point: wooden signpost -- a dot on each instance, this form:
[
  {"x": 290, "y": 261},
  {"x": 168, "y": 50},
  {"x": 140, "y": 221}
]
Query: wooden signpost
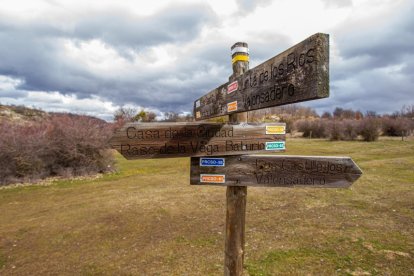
[
  {"x": 218, "y": 151},
  {"x": 300, "y": 73},
  {"x": 274, "y": 171},
  {"x": 158, "y": 140}
]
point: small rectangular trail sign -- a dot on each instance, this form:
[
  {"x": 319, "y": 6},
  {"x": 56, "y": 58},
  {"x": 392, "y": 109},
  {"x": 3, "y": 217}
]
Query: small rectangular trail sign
[
  {"x": 158, "y": 140},
  {"x": 276, "y": 171},
  {"x": 298, "y": 74}
]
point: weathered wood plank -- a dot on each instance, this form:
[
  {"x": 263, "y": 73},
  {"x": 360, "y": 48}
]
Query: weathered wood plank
[
  {"x": 160, "y": 140},
  {"x": 298, "y": 74},
  {"x": 275, "y": 171},
  {"x": 236, "y": 196}
]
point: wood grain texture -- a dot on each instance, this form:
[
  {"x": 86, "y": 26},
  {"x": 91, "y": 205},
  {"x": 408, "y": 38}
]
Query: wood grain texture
[
  {"x": 298, "y": 74},
  {"x": 236, "y": 197},
  {"x": 163, "y": 140},
  {"x": 280, "y": 171}
]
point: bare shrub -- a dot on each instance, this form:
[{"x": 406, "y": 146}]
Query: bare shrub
[
  {"x": 62, "y": 145},
  {"x": 125, "y": 114},
  {"x": 77, "y": 144},
  {"x": 312, "y": 128},
  {"x": 335, "y": 130},
  {"x": 303, "y": 126},
  {"x": 172, "y": 116},
  {"x": 289, "y": 121},
  {"x": 398, "y": 126},
  {"x": 145, "y": 116},
  {"x": 342, "y": 130},
  {"x": 21, "y": 150},
  {"x": 369, "y": 128},
  {"x": 350, "y": 130}
]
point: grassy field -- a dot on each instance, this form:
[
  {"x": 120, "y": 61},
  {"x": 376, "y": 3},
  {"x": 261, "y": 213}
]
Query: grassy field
[{"x": 148, "y": 220}]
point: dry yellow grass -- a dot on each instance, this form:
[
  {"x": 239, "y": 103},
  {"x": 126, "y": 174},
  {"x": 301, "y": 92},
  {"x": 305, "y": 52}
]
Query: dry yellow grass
[{"x": 148, "y": 220}]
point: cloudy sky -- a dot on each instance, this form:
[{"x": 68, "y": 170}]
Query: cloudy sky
[{"x": 92, "y": 57}]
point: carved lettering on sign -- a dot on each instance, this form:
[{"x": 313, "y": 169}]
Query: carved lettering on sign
[
  {"x": 156, "y": 140},
  {"x": 298, "y": 74},
  {"x": 281, "y": 171}
]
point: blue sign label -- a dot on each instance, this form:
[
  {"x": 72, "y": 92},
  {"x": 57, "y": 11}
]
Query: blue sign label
[
  {"x": 211, "y": 162},
  {"x": 279, "y": 145}
]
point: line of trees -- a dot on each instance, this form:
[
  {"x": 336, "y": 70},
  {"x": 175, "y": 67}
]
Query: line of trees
[
  {"x": 127, "y": 114},
  {"x": 347, "y": 124},
  {"x": 341, "y": 124}
]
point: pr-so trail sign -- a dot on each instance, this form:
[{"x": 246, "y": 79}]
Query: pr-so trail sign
[
  {"x": 219, "y": 151},
  {"x": 163, "y": 140},
  {"x": 274, "y": 171},
  {"x": 298, "y": 74}
]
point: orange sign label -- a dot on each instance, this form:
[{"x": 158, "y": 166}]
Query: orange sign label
[
  {"x": 212, "y": 178},
  {"x": 232, "y": 106}
]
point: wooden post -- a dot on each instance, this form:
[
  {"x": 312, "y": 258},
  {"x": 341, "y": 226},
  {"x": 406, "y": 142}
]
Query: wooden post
[{"x": 235, "y": 195}]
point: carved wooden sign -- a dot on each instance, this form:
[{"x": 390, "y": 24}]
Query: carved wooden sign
[
  {"x": 274, "y": 171},
  {"x": 158, "y": 140},
  {"x": 298, "y": 74}
]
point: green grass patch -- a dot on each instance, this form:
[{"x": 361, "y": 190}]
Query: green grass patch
[
  {"x": 350, "y": 258},
  {"x": 2, "y": 260},
  {"x": 298, "y": 261}
]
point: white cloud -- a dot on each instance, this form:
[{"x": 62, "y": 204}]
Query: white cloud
[
  {"x": 96, "y": 56},
  {"x": 8, "y": 83}
]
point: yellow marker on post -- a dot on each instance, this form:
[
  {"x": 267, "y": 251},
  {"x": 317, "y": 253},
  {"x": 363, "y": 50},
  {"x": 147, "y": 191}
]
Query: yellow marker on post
[{"x": 240, "y": 58}]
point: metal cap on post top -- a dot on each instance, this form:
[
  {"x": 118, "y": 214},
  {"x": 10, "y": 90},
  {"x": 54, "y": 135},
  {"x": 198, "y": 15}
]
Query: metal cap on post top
[{"x": 240, "y": 58}]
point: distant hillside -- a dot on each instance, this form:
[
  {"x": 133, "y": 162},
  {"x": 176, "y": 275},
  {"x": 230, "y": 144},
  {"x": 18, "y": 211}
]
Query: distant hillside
[{"x": 21, "y": 113}]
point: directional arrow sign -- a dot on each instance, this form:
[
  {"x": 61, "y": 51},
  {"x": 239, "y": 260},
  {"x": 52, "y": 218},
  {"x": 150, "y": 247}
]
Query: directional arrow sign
[
  {"x": 274, "y": 171},
  {"x": 157, "y": 140},
  {"x": 300, "y": 73}
]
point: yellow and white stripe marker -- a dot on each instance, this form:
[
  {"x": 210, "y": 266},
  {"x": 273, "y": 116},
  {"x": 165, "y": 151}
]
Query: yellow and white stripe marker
[
  {"x": 239, "y": 49},
  {"x": 239, "y": 52}
]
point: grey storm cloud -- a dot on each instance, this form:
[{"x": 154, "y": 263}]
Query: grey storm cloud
[
  {"x": 377, "y": 67},
  {"x": 14, "y": 94},
  {"x": 382, "y": 46},
  {"x": 30, "y": 52},
  {"x": 121, "y": 29},
  {"x": 375, "y": 70}
]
